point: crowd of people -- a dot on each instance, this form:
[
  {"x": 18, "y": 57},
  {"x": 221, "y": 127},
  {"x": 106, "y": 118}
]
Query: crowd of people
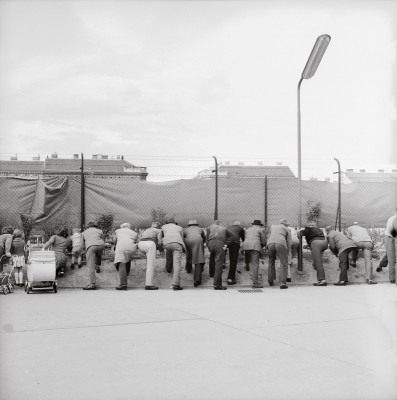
[{"x": 282, "y": 242}]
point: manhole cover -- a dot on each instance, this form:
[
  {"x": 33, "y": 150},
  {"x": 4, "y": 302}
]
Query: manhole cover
[{"x": 250, "y": 290}]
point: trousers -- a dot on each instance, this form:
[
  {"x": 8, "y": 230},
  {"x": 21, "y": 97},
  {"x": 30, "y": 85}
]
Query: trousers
[{"x": 280, "y": 251}]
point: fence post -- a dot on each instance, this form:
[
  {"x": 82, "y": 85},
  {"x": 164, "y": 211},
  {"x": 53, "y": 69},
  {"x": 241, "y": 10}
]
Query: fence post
[
  {"x": 82, "y": 197},
  {"x": 339, "y": 210},
  {"x": 265, "y": 205}
]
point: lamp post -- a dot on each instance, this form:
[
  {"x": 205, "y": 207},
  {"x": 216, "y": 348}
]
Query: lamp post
[
  {"x": 310, "y": 69},
  {"x": 216, "y": 189},
  {"x": 339, "y": 212}
]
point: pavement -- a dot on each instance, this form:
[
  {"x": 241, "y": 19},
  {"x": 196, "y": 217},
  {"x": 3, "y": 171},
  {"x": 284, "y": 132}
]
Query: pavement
[{"x": 302, "y": 343}]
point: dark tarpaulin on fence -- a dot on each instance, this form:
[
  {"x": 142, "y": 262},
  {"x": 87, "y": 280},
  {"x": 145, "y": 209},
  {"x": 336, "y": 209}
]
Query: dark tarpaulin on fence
[{"x": 132, "y": 200}]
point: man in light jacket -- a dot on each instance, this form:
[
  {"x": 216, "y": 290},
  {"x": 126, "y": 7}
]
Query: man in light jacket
[
  {"x": 94, "y": 245},
  {"x": 173, "y": 242},
  {"x": 363, "y": 241},
  {"x": 278, "y": 245},
  {"x": 255, "y": 240},
  {"x": 391, "y": 245},
  {"x": 341, "y": 246}
]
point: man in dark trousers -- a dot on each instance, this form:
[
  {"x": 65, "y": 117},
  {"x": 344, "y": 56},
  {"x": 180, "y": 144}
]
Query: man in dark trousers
[
  {"x": 236, "y": 234},
  {"x": 217, "y": 236},
  {"x": 341, "y": 246}
]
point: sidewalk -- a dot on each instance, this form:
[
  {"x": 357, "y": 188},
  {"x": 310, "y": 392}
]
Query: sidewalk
[{"x": 302, "y": 343}]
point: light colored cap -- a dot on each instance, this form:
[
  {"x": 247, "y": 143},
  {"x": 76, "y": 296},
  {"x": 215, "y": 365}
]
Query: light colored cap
[
  {"x": 125, "y": 225},
  {"x": 284, "y": 221},
  {"x": 192, "y": 222},
  {"x": 237, "y": 223}
]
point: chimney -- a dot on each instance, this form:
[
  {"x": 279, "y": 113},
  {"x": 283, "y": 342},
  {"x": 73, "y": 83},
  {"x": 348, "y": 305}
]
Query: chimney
[
  {"x": 349, "y": 170},
  {"x": 14, "y": 158},
  {"x": 75, "y": 156},
  {"x": 54, "y": 155}
]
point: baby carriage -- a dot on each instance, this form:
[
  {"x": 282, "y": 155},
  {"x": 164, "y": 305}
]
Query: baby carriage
[
  {"x": 6, "y": 285},
  {"x": 41, "y": 271}
]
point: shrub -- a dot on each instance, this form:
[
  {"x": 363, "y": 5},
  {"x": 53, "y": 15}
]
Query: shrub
[
  {"x": 105, "y": 223},
  {"x": 56, "y": 226},
  {"x": 27, "y": 222},
  {"x": 313, "y": 210},
  {"x": 159, "y": 215}
]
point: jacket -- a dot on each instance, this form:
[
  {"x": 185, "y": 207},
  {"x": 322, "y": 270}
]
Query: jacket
[
  {"x": 280, "y": 234},
  {"x": 255, "y": 238},
  {"x": 338, "y": 242}
]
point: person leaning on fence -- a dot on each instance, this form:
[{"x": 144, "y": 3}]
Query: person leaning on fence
[
  {"x": 77, "y": 249},
  {"x": 363, "y": 241},
  {"x": 18, "y": 256},
  {"x": 255, "y": 240},
  {"x": 173, "y": 242},
  {"x": 217, "y": 236},
  {"x": 5, "y": 244},
  {"x": 278, "y": 245},
  {"x": 148, "y": 244},
  {"x": 125, "y": 240},
  {"x": 59, "y": 243},
  {"x": 317, "y": 244},
  {"x": 390, "y": 238},
  {"x": 341, "y": 246},
  {"x": 194, "y": 238},
  {"x": 236, "y": 236},
  {"x": 94, "y": 244}
]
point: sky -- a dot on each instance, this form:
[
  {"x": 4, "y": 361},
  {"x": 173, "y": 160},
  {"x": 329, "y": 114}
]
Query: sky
[{"x": 164, "y": 82}]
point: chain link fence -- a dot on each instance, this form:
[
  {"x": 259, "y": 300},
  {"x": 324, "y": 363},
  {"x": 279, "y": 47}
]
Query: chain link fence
[{"x": 185, "y": 190}]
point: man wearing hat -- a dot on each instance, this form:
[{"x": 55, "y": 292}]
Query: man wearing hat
[
  {"x": 236, "y": 234},
  {"x": 217, "y": 236},
  {"x": 173, "y": 242},
  {"x": 278, "y": 245},
  {"x": 255, "y": 240},
  {"x": 5, "y": 244},
  {"x": 363, "y": 241},
  {"x": 390, "y": 238},
  {"x": 94, "y": 244},
  {"x": 194, "y": 238},
  {"x": 341, "y": 246},
  {"x": 125, "y": 240}
]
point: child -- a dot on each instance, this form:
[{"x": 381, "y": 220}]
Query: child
[
  {"x": 77, "y": 248},
  {"x": 18, "y": 256}
]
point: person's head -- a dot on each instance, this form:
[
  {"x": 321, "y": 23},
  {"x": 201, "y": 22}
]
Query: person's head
[
  {"x": 17, "y": 233},
  {"x": 311, "y": 224},
  {"x": 92, "y": 225},
  {"x": 156, "y": 224},
  {"x": 61, "y": 231},
  {"x": 355, "y": 223},
  {"x": 328, "y": 229},
  {"x": 171, "y": 220},
  {"x": 76, "y": 230},
  {"x": 238, "y": 223},
  {"x": 125, "y": 225},
  {"x": 7, "y": 229},
  {"x": 217, "y": 222},
  {"x": 192, "y": 222},
  {"x": 284, "y": 222},
  {"x": 257, "y": 222}
]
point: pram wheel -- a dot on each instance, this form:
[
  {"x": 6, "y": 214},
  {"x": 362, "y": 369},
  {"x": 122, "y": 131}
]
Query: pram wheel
[
  {"x": 5, "y": 289},
  {"x": 11, "y": 287},
  {"x": 55, "y": 287},
  {"x": 27, "y": 288}
]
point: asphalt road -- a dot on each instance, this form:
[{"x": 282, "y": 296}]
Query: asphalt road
[{"x": 302, "y": 343}]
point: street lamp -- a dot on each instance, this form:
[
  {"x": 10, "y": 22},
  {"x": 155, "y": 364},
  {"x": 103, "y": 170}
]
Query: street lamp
[
  {"x": 339, "y": 211},
  {"x": 216, "y": 188},
  {"x": 310, "y": 69}
]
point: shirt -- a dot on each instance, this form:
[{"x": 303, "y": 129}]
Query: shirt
[
  {"x": 280, "y": 234},
  {"x": 217, "y": 232},
  {"x": 153, "y": 234},
  {"x": 59, "y": 244},
  {"x": 93, "y": 237},
  {"x": 358, "y": 234},
  {"x": 312, "y": 233},
  {"x": 172, "y": 234},
  {"x": 77, "y": 239},
  {"x": 236, "y": 232}
]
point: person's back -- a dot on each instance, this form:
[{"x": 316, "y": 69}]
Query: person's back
[
  {"x": 76, "y": 239},
  {"x": 358, "y": 234},
  {"x": 279, "y": 234},
  {"x": 255, "y": 238},
  {"x": 193, "y": 232},
  {"x": 172, "y": 234},
  {"x": 217, "y": 232},
  {"x": 236, "y": 233},
  {"x": 339, "y": 242},
  {"x": 59, "y": 244},
  {"x": 125, "y": 237},
  {"x": 93, "y": 236}
]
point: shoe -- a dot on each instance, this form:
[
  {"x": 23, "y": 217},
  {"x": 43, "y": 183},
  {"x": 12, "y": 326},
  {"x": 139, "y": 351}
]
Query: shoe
[
  {"x": 247, "y": 267},
  {"x": 90, "y": 287},
  {"x": 283, "y": 286},
  {"x": 257, "y": 286},
  {"x": 197, "y": 283},
  {"x": 340, "y": 283},
  {"x": 379, "y": 269},
  {"x": 288, "y": 279},
  {"x": 97, "y": 269},
  {"x": 151, "y": 287},
  {"x": 217, "y": 287},
  {"x": 320, "y": 283},
  {"x": 238, "y": 271},
  {"x": 80, "y": 265},
  {"x": 371, "y": 282},
  {"x": 224, "y": 266},
  {"x": 72, "y": 266},
  {"x": 353, "y": 265},
  {"x": 393, "y": 281},
  {"x": 231, "y": 281},
  {"x": 176, "y": 287},
  {"x": 61, "y": 272},
  {"x": 121, "y": 287},
  {"x": 270, "y": 283}
]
